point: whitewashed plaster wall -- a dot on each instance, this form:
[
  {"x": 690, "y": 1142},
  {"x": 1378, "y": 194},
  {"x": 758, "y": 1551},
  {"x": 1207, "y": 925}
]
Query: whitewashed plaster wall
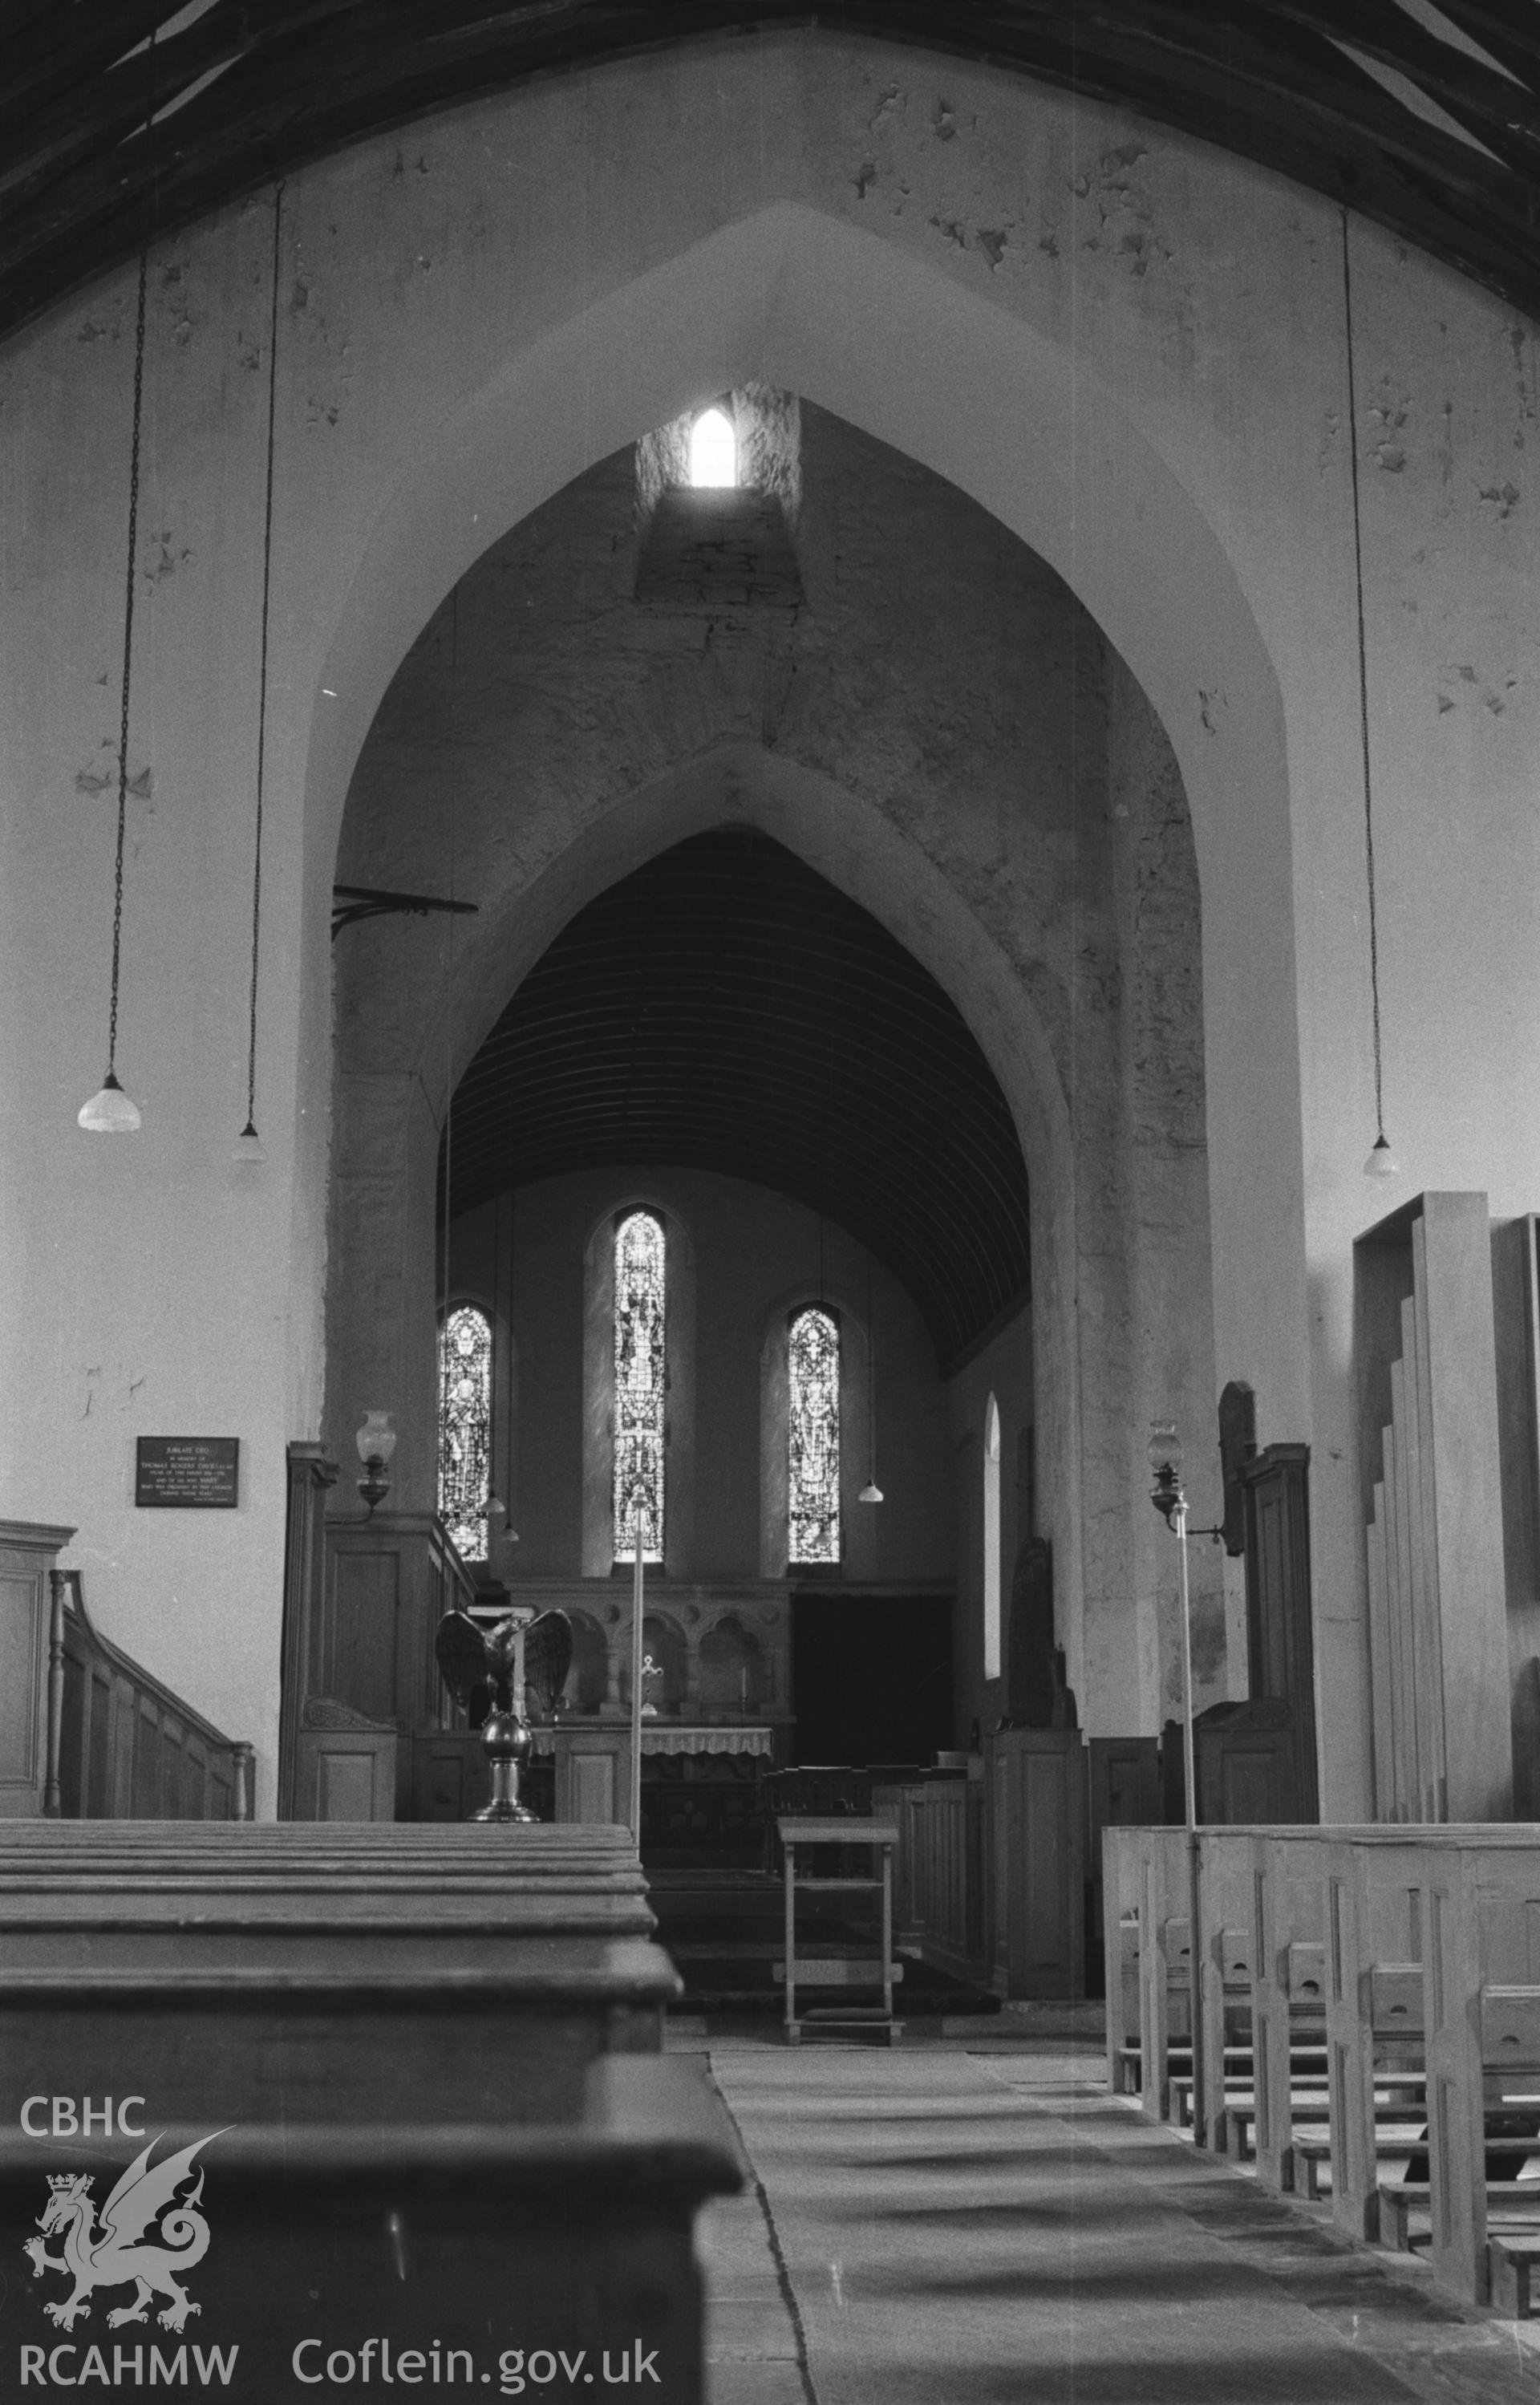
[{"x": 1128, "y": 347}]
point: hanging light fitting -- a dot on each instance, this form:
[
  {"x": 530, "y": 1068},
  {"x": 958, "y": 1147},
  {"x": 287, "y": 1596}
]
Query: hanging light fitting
[
  {"x": 1382, "y": 1161},
  {"x": 110, "y": 1111},
  {"x": 871, "y": 1492},
  {"x": 248, "y": 1144}
]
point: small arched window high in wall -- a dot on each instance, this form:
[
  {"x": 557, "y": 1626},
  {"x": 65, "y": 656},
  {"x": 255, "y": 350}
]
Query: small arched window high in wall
[
  {"x": 992, "y": 1539},
  {"x": 713, "y": 449},
  {"x": 640, "y": 1366},
  {"x": 465, "y": 1429},
  {"x": 813, "y": 1436}
]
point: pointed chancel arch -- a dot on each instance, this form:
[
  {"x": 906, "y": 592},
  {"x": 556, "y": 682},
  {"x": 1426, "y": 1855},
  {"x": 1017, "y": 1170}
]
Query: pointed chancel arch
[{"x": 1004, "y": 412}]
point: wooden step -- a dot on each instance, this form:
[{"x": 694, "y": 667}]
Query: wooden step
[{"x": 835, "y": 1971}]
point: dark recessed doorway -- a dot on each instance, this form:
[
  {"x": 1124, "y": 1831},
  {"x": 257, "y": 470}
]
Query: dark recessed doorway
[{"x": 871, "y": 1677}]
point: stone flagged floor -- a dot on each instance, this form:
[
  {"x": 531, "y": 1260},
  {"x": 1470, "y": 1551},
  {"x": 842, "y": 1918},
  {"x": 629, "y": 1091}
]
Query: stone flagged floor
[{"x": 950, "y": 2225}]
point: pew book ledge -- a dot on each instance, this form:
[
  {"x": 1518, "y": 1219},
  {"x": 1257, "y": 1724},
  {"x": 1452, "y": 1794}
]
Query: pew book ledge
[
  {"x": 629, "y": 1970},
  {"x": 649, "y": 2121}
]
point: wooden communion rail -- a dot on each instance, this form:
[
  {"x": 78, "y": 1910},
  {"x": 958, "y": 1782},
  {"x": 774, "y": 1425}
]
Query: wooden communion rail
[{"x": 1371, "y": 1999}]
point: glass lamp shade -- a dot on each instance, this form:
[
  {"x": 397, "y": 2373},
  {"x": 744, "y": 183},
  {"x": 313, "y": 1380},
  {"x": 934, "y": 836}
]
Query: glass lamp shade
[
  {"x": 110, "y": 1112},
  {"x": 870, "y": 1493},
  {"x": 1382, "y": 1161},
  {"x": 375, "y": 1438},
  {"x": 248, "y": 1147},
  {"x": 1165, "y": 1457},
  {"x": 1165, "y": 1448}
]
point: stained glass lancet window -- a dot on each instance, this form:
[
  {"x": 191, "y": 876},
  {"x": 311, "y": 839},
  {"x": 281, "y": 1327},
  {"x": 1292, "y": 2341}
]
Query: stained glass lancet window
[
  {"x": 814, "y": 1378},
  {"x": 465, "y": 1429},
  {"x": 639, "y": 1384}
]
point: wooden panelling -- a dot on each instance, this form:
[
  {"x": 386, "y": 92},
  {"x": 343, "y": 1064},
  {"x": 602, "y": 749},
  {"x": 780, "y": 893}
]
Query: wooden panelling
[
  {"x": 28, "y": 1550},
  {"x": 1426, "y": 1359},
  {"x": 366, "y": 1600},
  {"x": 1037, "y": 1836},
  {"x": 1515, "y": 1294},
  {"x": 346, "y": 1775},
  {"x": 310, "y": 1475},
  {"x": 1281, "y": 1647},
  {"x": 593, "y": 1774}
]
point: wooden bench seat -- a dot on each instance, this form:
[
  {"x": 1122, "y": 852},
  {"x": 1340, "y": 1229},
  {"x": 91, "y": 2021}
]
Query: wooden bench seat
[
  {"x": 1311, "y": 2154},
  {"x": 1399, "y": 2199},
  {"x": 1311, "y": 2110},
  {"x": 1237, "y": 2077},
  {"x": 1504, "y": 2158},
  {"x": 1512, "y": 2261}
]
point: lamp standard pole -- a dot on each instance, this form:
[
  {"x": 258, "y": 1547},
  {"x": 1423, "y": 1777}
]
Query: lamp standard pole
[
  {"x": 1170, "y": 1499},
  {"x": 637, "y": 1501},
  {"x": 1195, "y": 1955}
]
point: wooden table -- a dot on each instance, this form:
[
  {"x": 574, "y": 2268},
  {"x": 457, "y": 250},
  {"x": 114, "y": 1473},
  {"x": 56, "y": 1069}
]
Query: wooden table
[{"x": 839, "y": 1970}]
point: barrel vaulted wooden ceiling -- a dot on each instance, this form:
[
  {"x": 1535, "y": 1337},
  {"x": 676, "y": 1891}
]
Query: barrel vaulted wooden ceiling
[
  {"x": 724, "y": 1007},
  {"x": 1423, "y": 117}
]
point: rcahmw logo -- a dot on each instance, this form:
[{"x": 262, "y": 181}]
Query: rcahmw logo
[
  {"x": 151, "y": 2232},
  {"x": 54, "y": 2367}
]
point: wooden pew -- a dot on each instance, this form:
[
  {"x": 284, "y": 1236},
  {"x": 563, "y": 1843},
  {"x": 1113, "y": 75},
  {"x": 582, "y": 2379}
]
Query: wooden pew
[
  {"x": 1480, "y": 1907},
  {"x": 315, "y": 1971},
  {"x": 1121, "y": 1897},
  {"x": 1227, "y": 1970},
  {"x": 420, "y": 2068},
  {"x": 1373, "y": 1948},
  {"x": 398, "y": 2250},
  {"x": 1164, "y": 2000},
  {"x": 1427, "y": 1949},
  {"x": 1288, "y": 2000}
]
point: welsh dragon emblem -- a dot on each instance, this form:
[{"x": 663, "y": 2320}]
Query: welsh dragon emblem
[{"x": 139, "y": 2238}]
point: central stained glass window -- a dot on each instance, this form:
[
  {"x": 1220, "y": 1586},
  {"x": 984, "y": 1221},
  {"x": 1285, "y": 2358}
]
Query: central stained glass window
[
  {"x": 465, "y": 1429},
  {"x": 813, "y": 1442},
  {"x": 639, "y": 1384}
]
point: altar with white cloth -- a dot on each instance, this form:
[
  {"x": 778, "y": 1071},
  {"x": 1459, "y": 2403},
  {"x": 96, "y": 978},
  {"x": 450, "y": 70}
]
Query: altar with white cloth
[{"x": 593, "y": 1757}]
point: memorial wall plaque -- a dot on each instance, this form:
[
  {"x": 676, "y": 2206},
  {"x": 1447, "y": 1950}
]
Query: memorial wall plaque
[{"x": 187, "y": 1473}]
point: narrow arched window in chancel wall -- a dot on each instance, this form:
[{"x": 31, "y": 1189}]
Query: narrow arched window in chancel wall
[
  {"x": 992, "y": 1539},
  {"x": 465, "y": 1429},
  {"x": 641, "y": 1382},
  {"x": 713, "y": 449},
  {"x": 813, "y": 1381}
]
